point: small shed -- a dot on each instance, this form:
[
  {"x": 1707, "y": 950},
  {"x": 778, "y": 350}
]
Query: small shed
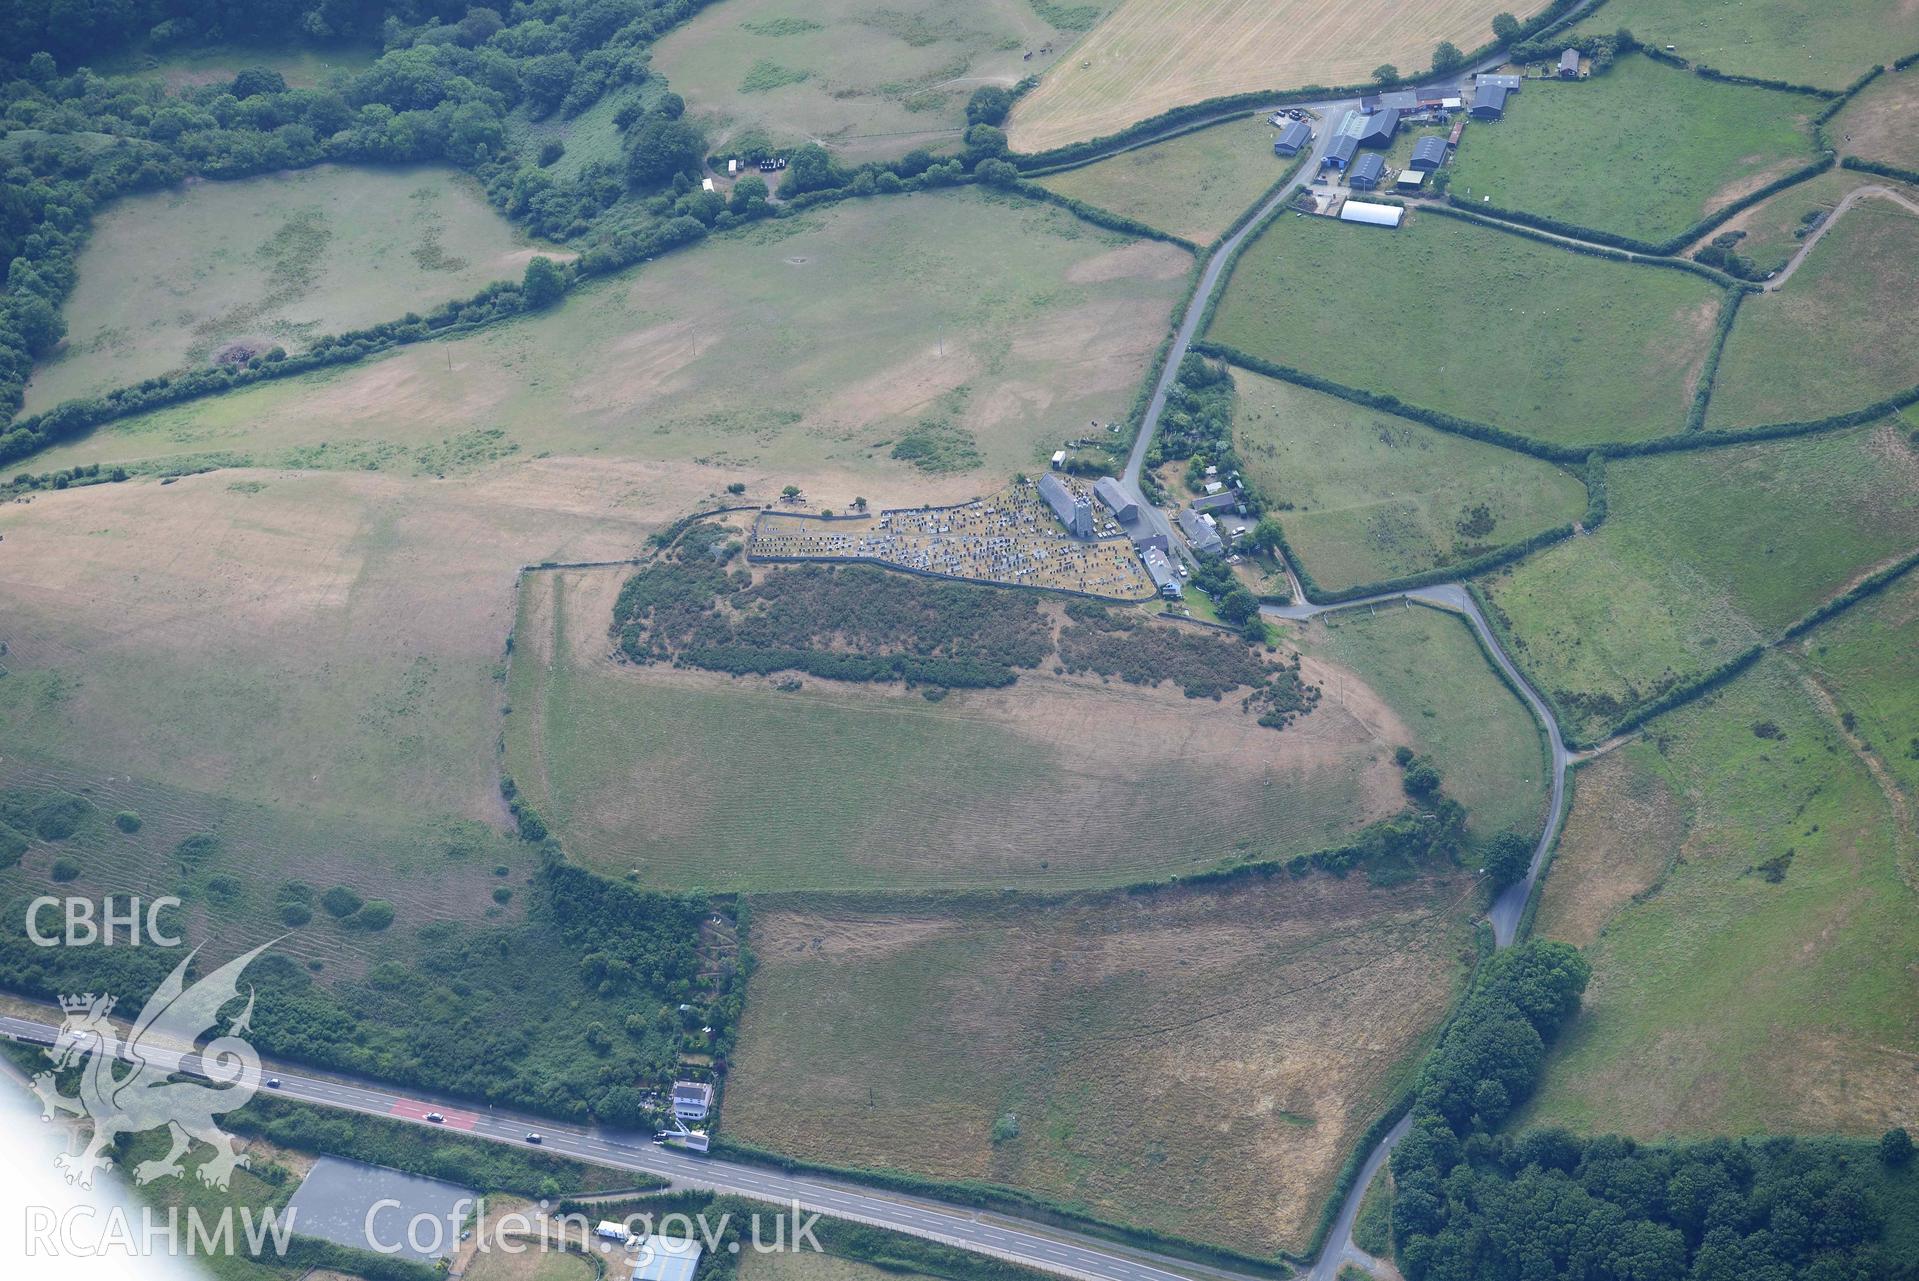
[
  {"x": 706, "y": 184},
  {"x": 1569, "y": 65},
  {"x": 1366, "y": 172},
  {"x": 1409, "y": 180},
  {"x": 1429, "y": 153},
  {"x": 1059, "y": 459},
  {"x": 1371, "y": 214}
]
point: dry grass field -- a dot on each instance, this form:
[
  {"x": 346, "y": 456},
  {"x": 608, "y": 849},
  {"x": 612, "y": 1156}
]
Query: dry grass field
[
  {"x": 986, "y": 318},
  {"x": 168, "y": 280},
  {"x": 1194, "y": 186},
  {"x": 1150, "y": 55},
  {"x": 325, "y": 642},
  {"x": 1199, "y": 1062},
  {"x": 1882, "y": 123},
  {"x": 691, "y": 778}
]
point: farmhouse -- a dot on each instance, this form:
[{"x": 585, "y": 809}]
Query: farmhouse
[
  {"x": 1293, "y": 138},
  {"x": 664, "y": 1258},
  {"x": 1429, "y": 153},
  {"x": 1366, "y": 172},
  {"x": 1371, "y": 214},
  {"x": 1202, "y": 532},
  {"x": 692, "y": 1100},
  {"x": 1160, "y": 570},
  {"x": 1569, "y": 65},
  {"x": 1113, "y": 494}
]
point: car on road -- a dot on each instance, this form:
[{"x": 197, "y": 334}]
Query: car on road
[
  {"x": 273, "y": 1083},
  {"x": 436, "y": 1118},
  {"x": 532, "y": 1138}
]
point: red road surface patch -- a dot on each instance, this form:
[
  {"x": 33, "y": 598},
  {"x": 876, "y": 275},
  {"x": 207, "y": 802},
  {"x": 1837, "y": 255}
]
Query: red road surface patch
[{"x": 412, "y": 1111}]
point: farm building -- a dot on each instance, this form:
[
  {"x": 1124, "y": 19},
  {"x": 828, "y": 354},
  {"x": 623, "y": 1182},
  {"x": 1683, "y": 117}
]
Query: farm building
[
  {"x": 1569, "y": 65},
  {"x": 1371, "y": 214},
  {"x": 1442, "y": 97},
  {"x": 1489, "y": 102},
  {"x": 1160, "y": 570},
  {"x": 692, "y": 1100},
  {"x": 1341, "y": 151},
  {"x": 1429, "y": 153},
  {"x": 1113, "y": 494},
  {"x": 1059, "y": 459},
  {"x": 1409, "y": 180},
  {"x": 1074, "y": 511},
  {"x": 1225, "y": 500},
  {"x": 659, "y": 1258},
  {"x": 1395, "y": 100},
  {"x": 1202, "y": 532},
  {"x": 1366, "y": 172},
  {"x": 1380, "y": 128},
  {"x": 1294, "y": 138}
]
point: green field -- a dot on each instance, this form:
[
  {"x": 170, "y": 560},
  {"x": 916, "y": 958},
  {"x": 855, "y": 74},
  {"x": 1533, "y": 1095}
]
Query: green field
[
  {"x": 1365, "y": 496},
  {"x": 1797, "y": 41},
  {"x": 1773, "y": 230},
  {"x": 1081, "y": 1047},
  {"x": 1870, "y": 665},
  {"x": 987, "y": 317},
  {"x": 1429, "y": 669},
  {"x": 1194, "y": 186},
  {"x": 1840, "y": 334},
  {"x": 807, "y": 1265},
  {"x": 1765, "y": 983},
  {"x": 1642, "y": 150},
  {"x": 1703, "y": 555},
  {"x": 168, "y": 280},
  {"x": 867, "y": 82},
  {"x": 1477, "y": 322}
]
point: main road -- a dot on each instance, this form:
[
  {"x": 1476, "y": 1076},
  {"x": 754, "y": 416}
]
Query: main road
[{"x": 1034, "y": 1245}]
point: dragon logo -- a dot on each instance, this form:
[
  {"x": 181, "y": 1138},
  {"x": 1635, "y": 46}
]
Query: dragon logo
[{"x": 131, "y": 1087}]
